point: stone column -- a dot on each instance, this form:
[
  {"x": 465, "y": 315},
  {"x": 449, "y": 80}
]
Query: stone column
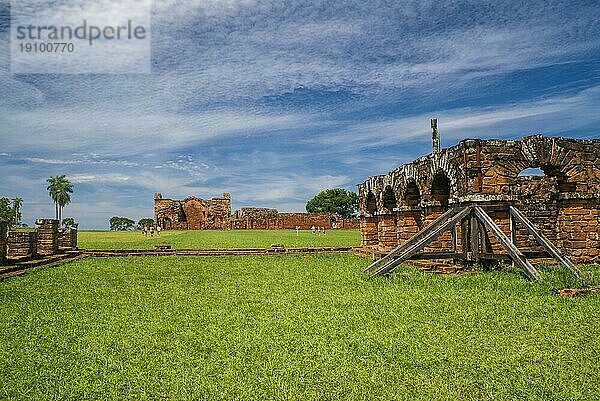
[
  {"x": 3, "y": 241},
  {"x": 47, "y": 236},
  {"x": 386, "y": 232},
  {"x": 408, "y": 223},
  {"x": 368, "y": 231}
]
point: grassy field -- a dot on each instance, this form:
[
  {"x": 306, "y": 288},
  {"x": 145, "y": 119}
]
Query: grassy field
[
  {"x": 216, "y": 239},
  {"x": 291, "y": 328}
]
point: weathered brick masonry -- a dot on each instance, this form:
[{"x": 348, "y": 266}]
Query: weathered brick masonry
[
  {"x": 564, "y": 203},
  {"x": 193, "y": 213},
  {"x": 47, "y": 239},
  {"x": 215, "y": 214},
  {"x": 47, "y": 236},
  {"x": 22, "y": 244}
]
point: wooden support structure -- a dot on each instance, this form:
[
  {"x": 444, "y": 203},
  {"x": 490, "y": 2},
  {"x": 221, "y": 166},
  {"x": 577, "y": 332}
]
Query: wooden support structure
[
  {"x": 415, "y": 238},
  {"x": 476, "y": 226},
  {"x": 434, "y": 230},
  {"x": 545, "y": 242},
  {"x": 516, "y": 255}
]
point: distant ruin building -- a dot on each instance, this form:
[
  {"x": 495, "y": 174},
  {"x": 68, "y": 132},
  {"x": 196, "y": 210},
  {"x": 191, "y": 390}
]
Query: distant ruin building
[
  {"x": 564, "y": 203},
  {"x": 194, "y": 213}
]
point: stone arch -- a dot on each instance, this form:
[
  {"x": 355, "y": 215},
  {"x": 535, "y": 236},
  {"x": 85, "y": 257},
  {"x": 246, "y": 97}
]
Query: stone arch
[
  {"x": 564, "y": 182},
  {"x": 441, "y": 189},
  {"x": 388, "y": 199},
  {"x": 371, "y": 205},
  {"x": 412, "y": 194}
]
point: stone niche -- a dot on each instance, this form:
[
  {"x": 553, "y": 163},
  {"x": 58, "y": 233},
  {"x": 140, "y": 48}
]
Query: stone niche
[{"x": 563, "y": 200}]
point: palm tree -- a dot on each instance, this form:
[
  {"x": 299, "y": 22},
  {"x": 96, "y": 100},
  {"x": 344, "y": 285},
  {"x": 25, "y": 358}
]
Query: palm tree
[
  {"x": 60, "y": 190},
  {"x": 17, "y": 204}
]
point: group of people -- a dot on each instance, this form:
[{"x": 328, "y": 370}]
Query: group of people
[
  {"x": 317, "y": 230},
  {"x": 313, "y": 229},
  {"x": 150, "y": 229}
]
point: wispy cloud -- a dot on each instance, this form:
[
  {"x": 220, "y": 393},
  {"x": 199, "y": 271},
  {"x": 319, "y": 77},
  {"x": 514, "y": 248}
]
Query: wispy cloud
[{"x": 274, "y": 101}]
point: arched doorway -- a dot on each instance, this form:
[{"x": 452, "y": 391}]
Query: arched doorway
[
  {"x": 371, "y": 206},
  {"x": 412, "y": 194},
  {"x": 440, "y": 189},
  {"x": 389, "y": 199}
]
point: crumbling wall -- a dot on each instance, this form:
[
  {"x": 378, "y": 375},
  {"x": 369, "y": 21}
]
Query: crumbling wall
[
  {"x": 67, "y": 238},
  {"x": 255, "y": 218},
  {"x": 252, "y": 218},
  {"x": 47, "y": 236},
  {"x": 215, "y": 214},
  {"x": 303, "y": 220},
  {"x": 193, "y": 213},
  {"x": 563, "y": 203},
  {"x": 21, "y": 244}
]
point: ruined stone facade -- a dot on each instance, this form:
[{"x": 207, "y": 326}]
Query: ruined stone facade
[
  {"x": 564, "y": 203},
  {"x": 271, "y": 219},
  {"x": 215, "y": 214},
  {"x": 47, "y": 239},
  {"x": 193, "y": 213}
]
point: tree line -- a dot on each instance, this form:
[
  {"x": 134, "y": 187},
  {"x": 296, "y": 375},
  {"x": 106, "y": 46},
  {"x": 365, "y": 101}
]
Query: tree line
[
  {"x": 60, "y": 190},
  {"x": 126, "y": 224},
  {"x": 10, "y": 211}
]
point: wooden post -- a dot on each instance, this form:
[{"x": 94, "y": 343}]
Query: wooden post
[
  {"x": 3, "y": 241},
  {"x": 464, "y": 239},
  {"x": 474, "y": 238},
  {"x": 513, "y": 232},
  {"x": 513, "y": 251},
  {"x": 454, "y": 233}
]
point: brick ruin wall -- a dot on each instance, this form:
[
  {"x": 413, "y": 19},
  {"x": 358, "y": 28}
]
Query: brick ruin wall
[
  {"x": 215, "y": 214},
  {"x": 21, "y": 244},
  {"x": 564, "y": 203},
  {"x": 46, "y": 239},
  {"x": 193, "y": 213}
]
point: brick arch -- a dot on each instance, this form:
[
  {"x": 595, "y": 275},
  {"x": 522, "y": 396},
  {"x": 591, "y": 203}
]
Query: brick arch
[
  {"x": 440, "y": 190},
  {"x": 411, "y": 195},
  {"x": 554, "y": 159},
  {"x": 371, "y": 203},
  {"x": 388, "y": 200}
]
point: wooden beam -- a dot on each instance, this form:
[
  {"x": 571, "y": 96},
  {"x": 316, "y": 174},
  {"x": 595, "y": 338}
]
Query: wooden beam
[
  {"x": 435, "y": 255},
  {"x": 543, "y": 241},
  {"x": 439, "y": 228},
  {"x": 507, "y": 244},
  {"x": 474, "y": 237},
  {"x": 412, "y": 240}
]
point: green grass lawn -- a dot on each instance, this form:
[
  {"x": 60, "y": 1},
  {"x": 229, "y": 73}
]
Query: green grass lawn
[
  {"x": 212, "y": 239},
  {"x": 291, "y": 328}
]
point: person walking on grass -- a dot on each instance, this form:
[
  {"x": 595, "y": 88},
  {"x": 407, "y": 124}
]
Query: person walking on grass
[
  {"x": 158, "y": 230},
  {"x": 152, "y": 231},
  {"x": 312, "y": 229},
  {"x": 297, "y": 230}
]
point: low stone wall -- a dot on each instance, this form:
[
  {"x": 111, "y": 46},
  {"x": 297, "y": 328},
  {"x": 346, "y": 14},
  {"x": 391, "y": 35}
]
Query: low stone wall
[
  {"x": 46, "y": 240},
  {"x": 253, "y": 218},
  {"x": 21, "y": 244}
]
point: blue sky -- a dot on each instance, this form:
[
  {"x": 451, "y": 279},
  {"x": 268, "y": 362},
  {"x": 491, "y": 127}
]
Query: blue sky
[{"x": 275, "y": 101}]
